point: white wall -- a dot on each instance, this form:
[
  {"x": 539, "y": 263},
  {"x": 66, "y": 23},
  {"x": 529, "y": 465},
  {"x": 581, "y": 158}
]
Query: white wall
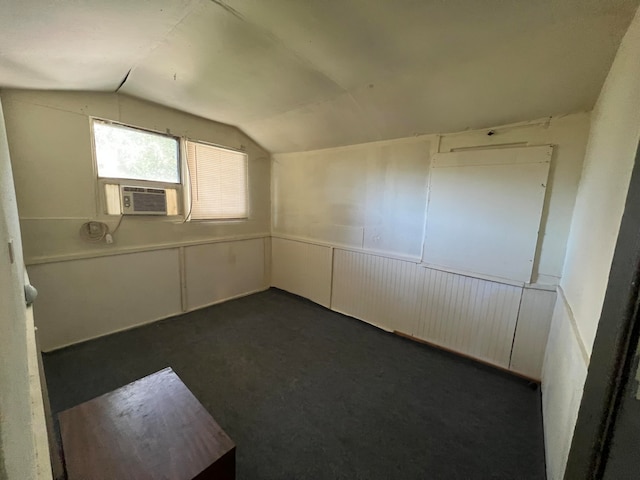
[
  {"x": 86, "y": 298},
  {"x": 568, "y": 134},
  {"x": 23, "y": 446},
  {"x": 303, "y": 268},
  {"x": 157, "y": 267},
  {"x": 565, "y": 370},
  {"x": 215, "y": 272},
  {"x": 615, "y": 131},
  {"x": 464, "y": 314},
  {"x": 50, "y": 144},
  {"x": 373, "y": 196},
  {"x": 472, "y": 316},
  {"x": 367, "y": 204}
]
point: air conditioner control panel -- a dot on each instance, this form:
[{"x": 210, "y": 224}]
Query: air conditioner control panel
[{"x": 143, "y": 201}]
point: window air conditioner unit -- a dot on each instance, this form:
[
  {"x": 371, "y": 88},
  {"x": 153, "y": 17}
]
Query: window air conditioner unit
[{"x": 143, "y": 201}]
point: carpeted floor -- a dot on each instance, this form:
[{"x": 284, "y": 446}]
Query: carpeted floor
[{"x": 307, "y": 393}]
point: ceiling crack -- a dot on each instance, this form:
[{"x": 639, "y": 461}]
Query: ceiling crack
[
  {"x": 123, "y": 80},
  {"x": 229, "y": 9}
]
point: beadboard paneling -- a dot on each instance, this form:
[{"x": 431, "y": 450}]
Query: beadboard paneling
[
  {"x": 532, "y": 332},
  {"x": 469, "y": 315},
  {"x": 472, "y": 316},
  {"x": 302, "y": 268},
  {"x": 219, "y": 271},
  {"x": 379, "y": 290}
]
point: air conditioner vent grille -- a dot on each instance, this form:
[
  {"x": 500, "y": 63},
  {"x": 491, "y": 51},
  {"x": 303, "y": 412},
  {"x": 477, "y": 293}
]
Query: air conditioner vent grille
[{"x": 143, "y": 201}]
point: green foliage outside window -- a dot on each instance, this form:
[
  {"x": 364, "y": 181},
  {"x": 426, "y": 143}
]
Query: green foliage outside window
[{"x": 123, "y": 152}]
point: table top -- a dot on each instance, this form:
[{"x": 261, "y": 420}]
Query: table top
[{"x": 153, "y": 428}]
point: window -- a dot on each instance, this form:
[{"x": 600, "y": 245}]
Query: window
[
  {"x": 125, "y": 155},
  {"x": 218, "y": 178},
  {"x": 212, "y": 184},
  {"x": 125, "y": 152}
]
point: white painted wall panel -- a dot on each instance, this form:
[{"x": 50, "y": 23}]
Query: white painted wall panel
[
  {"x": 369, "y": 196},
  {"x": 373, "y": 196},
  {"x": 83, "y": 299},
  {"x": 22, "y": 417},
  {"x": 484, "y": 210},
  {"x": 379, "y": 290},
  {"x": 532, "y": 331},
  {"x": 568, "y": 134},
  {"x": 564, "y": 373},
  {"x": 469, "y": 315},
  {"x": 50, "y": 143},
  {"x": 302, "y": 268},
  {"x": 219, "y": 271},
  {"x": 609, "y": 160}
]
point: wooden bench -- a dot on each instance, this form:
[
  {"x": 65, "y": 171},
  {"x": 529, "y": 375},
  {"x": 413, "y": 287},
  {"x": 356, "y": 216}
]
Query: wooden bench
[{"x": 151, "y": 429}]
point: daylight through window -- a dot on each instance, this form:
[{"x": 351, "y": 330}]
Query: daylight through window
[{"x": 130, "y": 153}]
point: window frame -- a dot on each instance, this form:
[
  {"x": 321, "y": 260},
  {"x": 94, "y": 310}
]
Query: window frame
[
  {"x": 187, "y": 184},
  {"x": 183, "y": 187},
  {"x": 120, "y": 181}
]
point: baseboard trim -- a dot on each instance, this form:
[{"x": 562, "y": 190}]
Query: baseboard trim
[
  {"x": 148, "y": 322},
  {"x": 466, "y": 355},
  {"x": 217, "y": 302}
]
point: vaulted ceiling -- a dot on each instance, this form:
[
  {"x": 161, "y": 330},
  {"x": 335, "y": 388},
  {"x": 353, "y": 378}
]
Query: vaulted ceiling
[{"x": 306, "y": 74}]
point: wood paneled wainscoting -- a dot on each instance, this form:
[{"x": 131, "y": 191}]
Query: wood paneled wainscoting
[
  {"x": 84, "y": 298},
  {"x": 503, "y": 324}
]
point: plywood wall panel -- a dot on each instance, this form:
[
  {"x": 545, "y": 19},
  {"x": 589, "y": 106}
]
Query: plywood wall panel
[
  {"x": 219, "y": 271},
  {"x": 302, "y": 268},
  {"x": 564, "y": 373},
  {"x": 50, "y": 142},
  {"x": 469, "y": 315},
  {"x": 532, "y": 332},
  {"x": 484, "y": 210},
  {"x": 370, "y": 196},
  {"x": 379, "y": 290},
  {"x": 83, "y": 299}
]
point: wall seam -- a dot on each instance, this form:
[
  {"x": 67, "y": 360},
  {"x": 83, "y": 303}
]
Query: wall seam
[
  {"x": 148, "y": 248},
  {"x": 515, "y": 328},
  {"x": 574, "y": 327}
]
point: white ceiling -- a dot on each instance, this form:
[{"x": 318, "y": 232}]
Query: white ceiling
[{"x": 303, "y": 74}]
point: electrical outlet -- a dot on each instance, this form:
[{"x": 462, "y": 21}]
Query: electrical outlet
[{"x": 94, "y": 228}]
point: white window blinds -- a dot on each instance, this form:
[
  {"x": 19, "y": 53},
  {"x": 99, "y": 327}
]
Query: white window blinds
[{"x": 218, "y": 180}]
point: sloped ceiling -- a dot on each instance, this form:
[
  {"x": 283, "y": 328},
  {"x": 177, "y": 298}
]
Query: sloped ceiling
[{"x": 306, "y": 74}]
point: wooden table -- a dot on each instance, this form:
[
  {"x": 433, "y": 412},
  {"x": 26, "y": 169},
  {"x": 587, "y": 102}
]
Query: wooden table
[{"x": 151, "y": 429}]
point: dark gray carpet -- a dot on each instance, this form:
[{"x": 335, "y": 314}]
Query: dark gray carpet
[{"x": 307, "y": 393}]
